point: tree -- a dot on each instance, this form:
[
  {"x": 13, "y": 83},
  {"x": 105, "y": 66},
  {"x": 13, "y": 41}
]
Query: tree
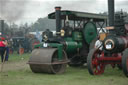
[{"x": 42, "y": 24}]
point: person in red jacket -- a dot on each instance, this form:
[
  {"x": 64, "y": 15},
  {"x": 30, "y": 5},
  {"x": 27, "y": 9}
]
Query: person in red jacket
[{"x": 3, "y": 44}]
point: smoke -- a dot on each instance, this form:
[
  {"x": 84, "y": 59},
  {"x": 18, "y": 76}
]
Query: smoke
[
  {"x": 30, "y": 10},
  {"x": 41, "y": 8},
  {"x": 12, "y": 10},
  {"x": 76, "y": 5},
  {"x": 45, "y": 7}
]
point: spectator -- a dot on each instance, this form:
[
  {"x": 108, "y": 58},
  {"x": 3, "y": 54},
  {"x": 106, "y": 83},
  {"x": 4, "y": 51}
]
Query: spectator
[{"x": 3, "y": 44}]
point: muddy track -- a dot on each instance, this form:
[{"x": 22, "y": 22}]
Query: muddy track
[{"x": 10, "y": 66}]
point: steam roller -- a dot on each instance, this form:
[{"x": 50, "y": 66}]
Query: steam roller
[{"x": 69, "y": 45}]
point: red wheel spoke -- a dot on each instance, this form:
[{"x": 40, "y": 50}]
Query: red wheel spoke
[
  {"x": 127, "y": 63},
  {"x": 99, "y": 69},
  {"x": 94, "y": 62},
  {"x": 97, "y": 66}
]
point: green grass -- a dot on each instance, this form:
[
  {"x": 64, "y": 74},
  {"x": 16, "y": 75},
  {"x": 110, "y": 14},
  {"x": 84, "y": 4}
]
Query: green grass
[
  {"x": 17, "y": 57},
  {"x": 72, "y": 76}
]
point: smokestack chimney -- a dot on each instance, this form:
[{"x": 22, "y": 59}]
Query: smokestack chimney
[
  {"x": 58, "y": 18},
  {"x": 2, "y": 27},
  {"x": 111, "y": 12}
]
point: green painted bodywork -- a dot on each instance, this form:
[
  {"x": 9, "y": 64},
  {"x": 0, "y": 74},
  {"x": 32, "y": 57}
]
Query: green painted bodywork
[
  {"x": 68, "y": 39},
  {"x": 38, "y": 45},
  {"x": 89, "y": 32},
  {"x": 74, "y": 42},
  {"x": 60, "y": 49},
  {"x": 77, "y": 36},
  {"x": 53, "y": 45},
  {"x": 72, "y": 46}
]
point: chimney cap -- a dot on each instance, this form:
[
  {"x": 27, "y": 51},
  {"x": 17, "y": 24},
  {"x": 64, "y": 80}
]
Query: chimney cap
[{"x": 57, "y": 7}]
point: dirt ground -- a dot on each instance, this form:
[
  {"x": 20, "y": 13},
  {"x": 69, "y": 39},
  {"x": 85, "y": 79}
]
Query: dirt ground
[{"x": 8, "y": 66}]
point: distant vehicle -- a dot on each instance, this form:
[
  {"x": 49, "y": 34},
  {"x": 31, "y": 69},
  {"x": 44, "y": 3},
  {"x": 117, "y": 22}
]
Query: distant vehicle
[{"x": 24, "y": 42}]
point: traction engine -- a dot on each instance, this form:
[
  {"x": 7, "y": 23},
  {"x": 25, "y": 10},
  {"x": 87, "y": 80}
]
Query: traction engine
[{"x": 114, "y": 47}]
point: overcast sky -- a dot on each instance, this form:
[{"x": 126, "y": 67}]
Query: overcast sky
[{"x": 30, "y": 10}]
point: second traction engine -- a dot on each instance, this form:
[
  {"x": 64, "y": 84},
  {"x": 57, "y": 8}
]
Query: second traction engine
[
  {"x": 114, "y": 47},
  {"x": 117, "y": 39}
]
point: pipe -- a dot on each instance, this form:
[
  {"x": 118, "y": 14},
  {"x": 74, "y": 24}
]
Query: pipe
[
  {"x": 111, "y": 12},
  {"x": 58, "y": 18},
  {"x": 2, "y": 27}
]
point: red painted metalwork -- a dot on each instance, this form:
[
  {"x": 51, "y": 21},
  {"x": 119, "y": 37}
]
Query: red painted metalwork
[
  {"x": 98, "y": 68},
  {"x": 125, "y": 39},
  {"x": 126, "y": 27},
  {"x": 114, "y": 57},
  {"x": 99, "y": 61},
  {"x": 127, "y": 63},
  {"x": 35, "y": 43}
]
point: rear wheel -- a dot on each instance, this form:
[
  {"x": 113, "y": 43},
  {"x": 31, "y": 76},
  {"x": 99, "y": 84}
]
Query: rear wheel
[
  {"x": 94, "y": 66},
  {"x": 125, "y": 62}
]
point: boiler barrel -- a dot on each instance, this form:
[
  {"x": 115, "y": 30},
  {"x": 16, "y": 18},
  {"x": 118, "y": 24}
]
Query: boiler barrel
[
  {"x": 115, "y": 44},
  {"x": 72, "y": 46}
]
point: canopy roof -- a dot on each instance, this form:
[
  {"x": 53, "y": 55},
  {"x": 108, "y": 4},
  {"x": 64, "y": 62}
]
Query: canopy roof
[{"x": 75, "y": 15}]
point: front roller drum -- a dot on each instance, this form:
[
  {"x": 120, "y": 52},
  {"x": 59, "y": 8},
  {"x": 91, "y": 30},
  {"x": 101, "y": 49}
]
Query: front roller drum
[
  {"x": 45, "y": 60},
  {"x": 125, "y": 62},
  {"x": 93, "y": 64}
]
